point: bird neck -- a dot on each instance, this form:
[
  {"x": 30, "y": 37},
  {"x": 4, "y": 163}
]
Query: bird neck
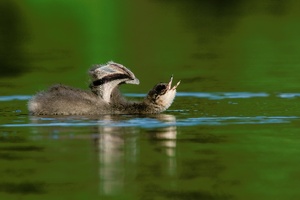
[
  {"x": 132, "y": 107},
  {"x": 102, "y": 91}
]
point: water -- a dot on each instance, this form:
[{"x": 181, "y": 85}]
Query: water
[
  {"x": 231, "y": 133},
  {"x": 180, "y": 154}
]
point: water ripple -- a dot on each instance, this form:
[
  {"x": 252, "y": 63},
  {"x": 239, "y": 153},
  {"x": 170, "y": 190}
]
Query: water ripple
[
  {"x": 215, "y": 95},
  {"x": 207, "y": 95},
  {"x": 236, "y": 120},
  {"x": 15, "y": 97},
  {"x": 223, "y": 95},
  {"x": 157, "y": 123},
  {"x": 288, "y": 95}
]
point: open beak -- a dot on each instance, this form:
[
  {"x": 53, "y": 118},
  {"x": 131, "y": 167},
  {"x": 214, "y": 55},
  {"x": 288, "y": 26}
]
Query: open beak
[{"x": 170, "y": 84}]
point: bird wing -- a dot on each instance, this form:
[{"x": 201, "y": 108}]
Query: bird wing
[{"x": 105, "y": 78}]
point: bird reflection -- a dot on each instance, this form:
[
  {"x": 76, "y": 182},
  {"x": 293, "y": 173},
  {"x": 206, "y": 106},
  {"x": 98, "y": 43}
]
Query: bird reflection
[
  {"x": 121, "y": 143},
  {"x": 119, "y": 149},
  {"x": 114, "y": 147},
  {"x": 166, "y": 140}
]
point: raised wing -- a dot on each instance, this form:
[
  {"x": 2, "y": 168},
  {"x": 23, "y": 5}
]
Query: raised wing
[{"x": 105, "y": 78}]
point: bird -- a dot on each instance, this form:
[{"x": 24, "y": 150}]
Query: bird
[{"x": 104, "y": 96}]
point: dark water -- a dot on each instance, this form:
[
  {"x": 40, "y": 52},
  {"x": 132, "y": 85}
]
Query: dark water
[{"x": 232, "y": 132}]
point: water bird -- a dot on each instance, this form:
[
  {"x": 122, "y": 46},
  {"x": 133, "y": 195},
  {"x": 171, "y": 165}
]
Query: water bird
[{"x": 104, "y": 96}]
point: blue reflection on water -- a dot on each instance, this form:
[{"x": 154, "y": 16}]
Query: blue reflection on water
[
  {"x": 206, "y": 95},
  {"x": 236, "y": 120},
  {"x": 215, "y": 95},
  {"x": 155, "y": 123},
  {"x": 222, "y": 95},
  {"x": 15, "y": 97},
  {"x": 288, "y": 95}
]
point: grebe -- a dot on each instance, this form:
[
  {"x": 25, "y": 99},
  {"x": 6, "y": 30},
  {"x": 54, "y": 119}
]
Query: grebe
[{"x": 104, "y": 97}]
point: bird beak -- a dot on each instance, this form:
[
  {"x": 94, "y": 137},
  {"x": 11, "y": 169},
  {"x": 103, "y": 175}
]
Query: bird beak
[
  {"x": 174, "y": 88},
  {"x": 170, "y": 84}
]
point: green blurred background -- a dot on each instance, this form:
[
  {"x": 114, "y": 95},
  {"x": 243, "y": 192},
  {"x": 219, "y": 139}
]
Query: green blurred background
[{"x": 211, "y": 45}]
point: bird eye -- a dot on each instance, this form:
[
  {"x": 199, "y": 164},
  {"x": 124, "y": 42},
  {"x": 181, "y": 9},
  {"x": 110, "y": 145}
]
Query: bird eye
[{"x": 159, "y": 88}]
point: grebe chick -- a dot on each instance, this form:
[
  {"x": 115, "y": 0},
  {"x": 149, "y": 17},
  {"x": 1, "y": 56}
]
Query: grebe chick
[{"x": 104, "y": 97}]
